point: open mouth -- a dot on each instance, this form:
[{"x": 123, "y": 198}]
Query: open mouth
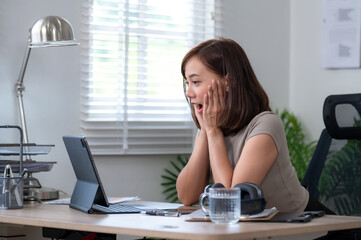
[{"x": 198, "y": 107}]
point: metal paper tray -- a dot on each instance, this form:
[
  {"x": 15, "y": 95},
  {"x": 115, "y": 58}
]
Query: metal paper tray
[
  {"x": 31, "y": 166},
  {"x": 28, "y": 149}
]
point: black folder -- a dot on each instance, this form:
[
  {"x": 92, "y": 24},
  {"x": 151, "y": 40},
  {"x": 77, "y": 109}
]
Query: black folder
[{"x": 296, "y": 217}]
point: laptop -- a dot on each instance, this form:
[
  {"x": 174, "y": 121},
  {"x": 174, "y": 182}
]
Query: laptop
[{"x": 88, "y": 194}]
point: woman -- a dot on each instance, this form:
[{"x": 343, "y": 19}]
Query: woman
[{"x": 239, "y": 138}]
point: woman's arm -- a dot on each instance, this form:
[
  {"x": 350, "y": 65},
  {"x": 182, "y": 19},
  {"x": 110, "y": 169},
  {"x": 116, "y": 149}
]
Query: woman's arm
[
  {"x": 257, "y": 157},
  {"x": 221, "y": 167},
  {"x": 195, "y": 175}
]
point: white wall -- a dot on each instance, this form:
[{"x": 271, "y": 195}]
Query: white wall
[
  {"x": 261, "y": 27},
  {"x": 310, "y": 84}
]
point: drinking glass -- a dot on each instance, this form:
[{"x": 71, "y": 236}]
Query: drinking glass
[{"x": 224, "y": 204}]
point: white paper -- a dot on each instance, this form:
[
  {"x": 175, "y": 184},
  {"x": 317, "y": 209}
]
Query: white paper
[
  {"x": 341, "y": 34},
  {"x": 267, "y": 212},
  {"x": 115, "y": 200}
]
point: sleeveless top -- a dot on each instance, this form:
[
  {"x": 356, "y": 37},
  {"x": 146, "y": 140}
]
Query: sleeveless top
[{"x": 281, "y": 187}]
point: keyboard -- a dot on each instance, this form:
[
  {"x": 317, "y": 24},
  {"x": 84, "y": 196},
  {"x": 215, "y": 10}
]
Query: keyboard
[{"x": 114, "y": 208}]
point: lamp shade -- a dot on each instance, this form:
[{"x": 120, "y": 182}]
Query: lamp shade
[{"x": 51, "y": 31}]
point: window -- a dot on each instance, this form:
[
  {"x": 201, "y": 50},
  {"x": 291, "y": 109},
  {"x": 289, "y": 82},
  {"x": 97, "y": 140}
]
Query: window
[{"x": 132, "y": 95}]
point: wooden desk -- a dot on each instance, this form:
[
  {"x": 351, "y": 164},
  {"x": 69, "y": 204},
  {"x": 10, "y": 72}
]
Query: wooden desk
[{"x": 61, "y": 216}]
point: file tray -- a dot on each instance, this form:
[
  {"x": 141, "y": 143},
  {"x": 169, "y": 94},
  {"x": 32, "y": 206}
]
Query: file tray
[
  {"x": 30, "y": 165},
  {"x": 9, "y": 149},
  {"x": 11, "y": 188}
]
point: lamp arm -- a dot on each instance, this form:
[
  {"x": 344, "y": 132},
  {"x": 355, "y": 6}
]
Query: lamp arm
[{"x": 20, "y": 88}]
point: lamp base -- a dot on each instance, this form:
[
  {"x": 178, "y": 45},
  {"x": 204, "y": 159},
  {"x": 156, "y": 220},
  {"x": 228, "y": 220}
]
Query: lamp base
[
  {"x": 31, "y": 182},
  {"x": 42, "y": 193}
]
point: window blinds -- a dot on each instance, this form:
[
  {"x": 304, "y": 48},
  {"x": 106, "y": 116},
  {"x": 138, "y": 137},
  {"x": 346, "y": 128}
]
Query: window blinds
[{"x": 132, "y": 99}]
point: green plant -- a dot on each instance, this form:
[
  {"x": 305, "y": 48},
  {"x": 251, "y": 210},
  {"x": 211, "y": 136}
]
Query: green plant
[
  {"x": 300, "y": 152},
  {"x": 340, "y": 184},
  {"x": 170, "y": 178}
]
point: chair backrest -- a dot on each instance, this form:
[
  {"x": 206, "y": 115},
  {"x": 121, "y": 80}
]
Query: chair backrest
[{"x": 334, "y": 173}]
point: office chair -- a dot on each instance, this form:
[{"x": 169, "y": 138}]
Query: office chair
[{"x": 334, "y": 173}]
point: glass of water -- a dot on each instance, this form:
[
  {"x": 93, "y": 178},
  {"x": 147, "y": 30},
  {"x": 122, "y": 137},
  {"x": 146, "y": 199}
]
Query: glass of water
[{"x": 224, "y": 205}]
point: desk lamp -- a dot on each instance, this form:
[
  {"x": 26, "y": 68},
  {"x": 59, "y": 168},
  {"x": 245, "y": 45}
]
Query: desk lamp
[{"x": 50, "y": 31}]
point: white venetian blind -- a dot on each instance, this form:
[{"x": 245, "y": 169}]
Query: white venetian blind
[{"x": 132, "y": 95}]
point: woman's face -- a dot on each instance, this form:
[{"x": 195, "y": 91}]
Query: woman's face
[{"x": 198, "y": 78}]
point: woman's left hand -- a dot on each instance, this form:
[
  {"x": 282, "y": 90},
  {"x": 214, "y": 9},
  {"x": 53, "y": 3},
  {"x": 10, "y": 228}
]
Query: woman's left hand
[{"x": 214, "y": 105}]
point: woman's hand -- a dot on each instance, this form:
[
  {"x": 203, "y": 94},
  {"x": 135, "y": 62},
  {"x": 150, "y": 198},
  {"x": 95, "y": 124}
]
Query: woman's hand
[
  {"x": 214, "y": 105},
  {"x": 214, "y": 108}
]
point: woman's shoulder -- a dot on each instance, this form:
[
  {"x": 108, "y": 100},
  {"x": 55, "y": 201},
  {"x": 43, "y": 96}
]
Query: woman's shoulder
[
  {"x": 267, "y": 123},
  {"x": 267, "y": 118}
]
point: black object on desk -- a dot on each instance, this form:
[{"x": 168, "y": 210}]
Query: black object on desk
[{"x": 296, "y": 217}]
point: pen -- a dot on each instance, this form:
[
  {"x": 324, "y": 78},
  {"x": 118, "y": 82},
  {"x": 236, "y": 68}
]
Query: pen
[
  {"x": 156, "y": 212},
  {"x": 7, "y": 171},
  {"x": 6, "y": 183},
  {"x": 22, "y": 174},
  {"x": 12, "y": 193}
]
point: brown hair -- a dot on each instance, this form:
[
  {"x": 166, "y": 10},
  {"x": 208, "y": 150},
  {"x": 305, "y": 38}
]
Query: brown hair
[{"x": 246, "y": 97}]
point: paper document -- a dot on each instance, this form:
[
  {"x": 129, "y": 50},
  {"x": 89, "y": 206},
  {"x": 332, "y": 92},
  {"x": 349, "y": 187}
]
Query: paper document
[
  {"x": 115, "y": 200},
  {"x": 267, "y": 212},
  {"x": 200, "y": 216},
  {"x": 341, "y": 34}
]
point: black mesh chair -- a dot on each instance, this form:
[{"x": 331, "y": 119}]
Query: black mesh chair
[{"x": 334, "y": 173}]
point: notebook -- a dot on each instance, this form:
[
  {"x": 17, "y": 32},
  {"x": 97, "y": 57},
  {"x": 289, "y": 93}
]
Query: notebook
[{"x": 88, "y": 194}]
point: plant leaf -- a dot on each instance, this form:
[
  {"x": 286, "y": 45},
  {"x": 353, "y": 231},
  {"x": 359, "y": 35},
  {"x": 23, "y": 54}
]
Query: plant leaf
[
  {"x": 170, "y": 178},
  {"x": 175, "y": 175}
]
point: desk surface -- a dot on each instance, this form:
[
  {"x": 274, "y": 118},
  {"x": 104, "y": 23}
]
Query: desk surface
[{"x": 61, "y": 216}]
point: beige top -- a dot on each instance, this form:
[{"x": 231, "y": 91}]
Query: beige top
[{"x": 281, "y": 187}]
